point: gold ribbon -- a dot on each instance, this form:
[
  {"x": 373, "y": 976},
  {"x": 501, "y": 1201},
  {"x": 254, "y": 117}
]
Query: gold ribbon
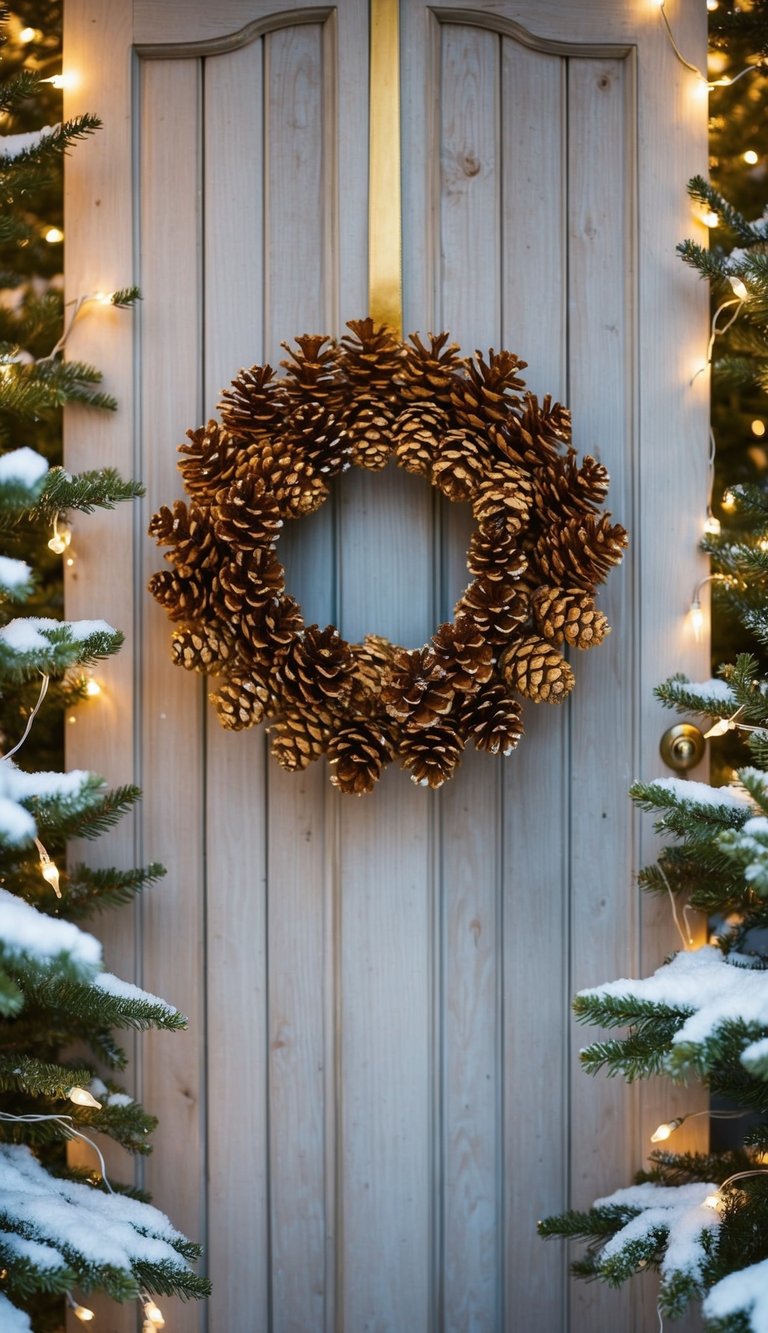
[{"x": 385, "y": 281}]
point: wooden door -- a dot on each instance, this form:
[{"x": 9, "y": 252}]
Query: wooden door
[{"x": 379, "y": 1090}]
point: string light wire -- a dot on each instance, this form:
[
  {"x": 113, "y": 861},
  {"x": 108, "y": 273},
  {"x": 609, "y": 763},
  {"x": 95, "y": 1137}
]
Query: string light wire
[
  {"x": 725, "y": 82},
  {"x": 43, "y": 691}
]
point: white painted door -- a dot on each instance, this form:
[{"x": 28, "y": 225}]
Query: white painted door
[{"x": 379, "y": 1091}]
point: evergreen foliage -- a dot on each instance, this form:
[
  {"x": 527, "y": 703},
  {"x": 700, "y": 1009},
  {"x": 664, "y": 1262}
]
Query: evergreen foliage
[
  {"x": 61, "y": 1229},
  {"x": 701, "y": 1219}
]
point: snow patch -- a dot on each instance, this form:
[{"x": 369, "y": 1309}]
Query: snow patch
[
  {"x": 13, "y": 144},
  {"x": 24, "y": 465},
  {"x": 13, "y": 573},
  {"x": 700, "y": 793},
  {"x": 747, "y": 1291},
  {"x": 679, "y": 1209},
  {"x": 25, "y": 930},
  {"x": 11, "y": 1319},
  {"x": 125, "y": 990}
]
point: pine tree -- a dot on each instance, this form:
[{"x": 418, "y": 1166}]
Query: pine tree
[
  {"x": 701, "y": 1219},
  {"x": 63, "y": 1232}
]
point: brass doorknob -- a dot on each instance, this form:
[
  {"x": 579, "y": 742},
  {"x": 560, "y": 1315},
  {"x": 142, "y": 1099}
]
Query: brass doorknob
[{"x": 682, "y": 746}]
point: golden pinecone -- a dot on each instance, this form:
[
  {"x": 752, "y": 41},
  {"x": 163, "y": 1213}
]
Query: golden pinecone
[
  {"x": 494, "y": 554},
  {"x": 461, "y": 464},
  {"x": 249, "y": 580},
  {"x": 535, "y": 433},
  {"x": 492, "y": 719},
  {"x": 370, "y": 358},
  {"x": 372, "y": 660},
  {"x": 288, "y": 476},
  {"x": 426, "y": 374},
  {"x": 536, "y": 670},
  {"x": 497, "y": 606},
  {"x": 319, "y": 437},
  {"x": 432, "y": 754},
  {"x": 267, "y": 631},
  {"x": 504, "y": 493},
  {"x": 317, "y": 668},
  {"x": 189, "y": 534},
  {"x": 369, "y": 426},
  {"x": 488, "y": 392},
  {"x": 569, "y": 615},
  {"x": 202, "y": 648},
  {"x": 183, "y": 598},
  {"x": 560, "y": 485},
  {"x": 417, "y": 433},
  {"x": 580, "y": 551},
  {"x": 358, "y": 753},
  {"x": 416, "y": 690},
  {"x": 241, "y": 701},
  {"x": 464, "y": 653},
  {"x": 299, "y": 738},
  {"x": 246, "y": 515},
  {"x": 312, "y": 372},
  {"x": 254, "y": 404},
  {"x": 212, "y": 456}
]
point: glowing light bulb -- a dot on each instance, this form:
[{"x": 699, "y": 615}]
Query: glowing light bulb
[
  {"x": 27, "y": 35},
  {"x": 92, "y": 688},
  {"x": 54, "y": 235},
  {"x": 729, "y": 500},
  {"x": 154, "y": 1314},
  {"x": 697, "y": 619},
  {"x": 57, "y": 544},
  {"x": 712, "y": 5},
  {"x": 712, "y": 1201},
  {"x": 50, "y": 873},
  {"x": 61, "y": 80},
  {"x": 758, "y": 428},
  {"x": 82, "y": 1313},
  {"x": 712, "y": 526},
  {"x": 103, "y": 298},
  {"x": 710, "y": 218},
  {"x": 82, "y": 1097},
  {"x": 763, "y": 544},
  {"x": 750, "y": 157},
  {"x": 666, "y": 1129},
  {"x": 739, "y": 290},
  {"x": 719, "y": 728}
]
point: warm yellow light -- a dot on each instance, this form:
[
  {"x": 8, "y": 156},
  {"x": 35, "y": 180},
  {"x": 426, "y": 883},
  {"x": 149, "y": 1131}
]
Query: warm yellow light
[
  {"x": 697, "y": 620},
  {"x": 83, "y": 1313},
  {"x": 666, "y": 1129},
  {"x": 729, "y": 500},
  {"x": 739, "y": 289},
  {"x": 82, "y": 1097},
  {"x": 154, "y": 1314},
  {"x": 50, "y": 873},
  {"x": 92, "y": 688},
  {"x": 713, "y": 1201},
  {"x": 750, "y": 157},
  {"x": 763, "y": 544},
  {"x": 57, "y": 544},
  {"x": 710, "y": 218},
  {"x": 103, "y": 298},
  {"x": 54, "y": 235},
  {"x": 719, "y": 728},
  {"x": 27, "y": 35},
  {"x": 712, "y": 526},
  {"x": 758, "y": 428},
  {"x": 61, "y": 80},
  {"x": 712, "y": 5}
]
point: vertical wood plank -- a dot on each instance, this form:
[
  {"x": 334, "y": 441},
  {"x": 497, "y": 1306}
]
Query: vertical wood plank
[
  {"x": 300, "y": 1039},
  {"x": 173, "y": 761},
  {"x": 536, "y": 981},
  {"x": 236, "y": 833},
  {"x": 470, "y": 941}
]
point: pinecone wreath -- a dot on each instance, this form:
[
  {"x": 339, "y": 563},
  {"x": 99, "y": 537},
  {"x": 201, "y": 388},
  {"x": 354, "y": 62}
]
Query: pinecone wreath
[{"x": 540, "y": 547}]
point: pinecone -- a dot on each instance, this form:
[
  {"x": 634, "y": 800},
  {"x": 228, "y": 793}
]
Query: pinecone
[
  {"x": 212, "y": 456},
  {"x": 246, "y": 515},
  {"x": 504, "y": 493},
  {"x": 562, "y": 486},
  {"x": 299, "y": 738},
  {"x": 432, "y": 755},
  {"x": 536, "y": 434},
  {"x": 370, "y": 358},
  {"x": 493, "y": 553},
  {"x": 319, "y": 437},
  {"x": 488, "y": 392},
  {"x": 497, "y": 606},
  {"x": 372, "y": 660},
  {"x": 426, "y": 375},
  {"x": 317, "y": 668},
  {"x": 183, "y": 598},
  {"x": 464, "y": 653},
  {"x": 255, "y": 403},
  {"x": 492, "y": 719},
  {"x": 312, "y": 373},
  {"x": 189, "y": 533},
  {"x": 580, "y": 551},
  {"x": 536, "y": 670},
  {"x": 288, "y": 477},
  {"x": 569, "y": 615},
  {"x": 241, "y": 701},
  {"x": 416, "y": 691},
  {"x": 200, "y": 649},
  {"x": 369, "y": 427},
  {"x": 250, "y": 580},
  {"x": 268, "y": 631},
  {"x": 417, "y": 433},
  {"x": 461, "y": 464},
  {"x": 358, "y": 753}
]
